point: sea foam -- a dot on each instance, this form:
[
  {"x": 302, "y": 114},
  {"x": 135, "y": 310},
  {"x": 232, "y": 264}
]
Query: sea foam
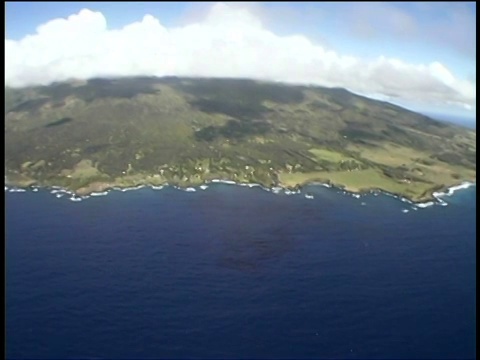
[
  {"x": 16, "y": 190},
  {"x": 132, "y": 188},
  {"x": 229, "y": 182},
  {"x": 103, "y": 193},
  {"x": 451, "y": 190},
  {"x": 425, "y": 204}
]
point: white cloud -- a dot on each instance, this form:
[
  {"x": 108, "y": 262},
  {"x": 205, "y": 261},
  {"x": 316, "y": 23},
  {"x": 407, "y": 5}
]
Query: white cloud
[{"x": 229, "y": 42}]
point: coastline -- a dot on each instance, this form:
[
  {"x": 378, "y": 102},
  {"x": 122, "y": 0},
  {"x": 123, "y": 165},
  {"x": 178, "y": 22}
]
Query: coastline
[{"x": 102, "y": 189}]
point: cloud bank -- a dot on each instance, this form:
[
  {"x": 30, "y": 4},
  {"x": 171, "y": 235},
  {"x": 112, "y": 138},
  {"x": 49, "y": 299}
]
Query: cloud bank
[{"x": 229, "y": 42}]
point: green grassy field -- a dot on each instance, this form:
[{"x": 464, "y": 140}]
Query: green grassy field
[
  {"x": 329, "y": 155},
  {"x": 360, "y": 181}
]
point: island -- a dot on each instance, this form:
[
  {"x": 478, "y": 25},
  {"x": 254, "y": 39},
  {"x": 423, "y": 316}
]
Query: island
[{"x": 90, "y": 135}]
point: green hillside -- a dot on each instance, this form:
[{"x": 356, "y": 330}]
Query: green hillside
[{"x": 100, "y": 133}]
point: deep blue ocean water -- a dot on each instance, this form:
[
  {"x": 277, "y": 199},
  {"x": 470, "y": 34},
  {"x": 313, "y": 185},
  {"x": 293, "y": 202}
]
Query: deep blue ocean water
[{"x": 234, "y": 272}]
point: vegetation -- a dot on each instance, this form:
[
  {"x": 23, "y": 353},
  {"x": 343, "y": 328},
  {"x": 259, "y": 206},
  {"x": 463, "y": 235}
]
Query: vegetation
[{"x": 100, "y": 133}]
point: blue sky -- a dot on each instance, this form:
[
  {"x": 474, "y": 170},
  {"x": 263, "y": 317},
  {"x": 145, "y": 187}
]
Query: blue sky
[{"x": 420, "y": 55}]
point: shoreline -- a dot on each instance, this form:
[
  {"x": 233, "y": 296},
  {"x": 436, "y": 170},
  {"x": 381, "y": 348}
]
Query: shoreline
[{"x": 102, "y": 189}]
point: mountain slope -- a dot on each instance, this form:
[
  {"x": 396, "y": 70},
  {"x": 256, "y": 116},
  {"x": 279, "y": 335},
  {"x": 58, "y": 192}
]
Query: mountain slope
[{"x": 94, "y": 134}]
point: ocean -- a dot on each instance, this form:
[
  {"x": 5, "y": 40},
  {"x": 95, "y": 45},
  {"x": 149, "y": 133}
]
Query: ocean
[{"x": 238, "y": 272}]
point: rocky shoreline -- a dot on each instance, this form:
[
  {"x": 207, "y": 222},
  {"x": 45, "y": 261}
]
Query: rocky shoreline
[{"x": 102, "y": 187}]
